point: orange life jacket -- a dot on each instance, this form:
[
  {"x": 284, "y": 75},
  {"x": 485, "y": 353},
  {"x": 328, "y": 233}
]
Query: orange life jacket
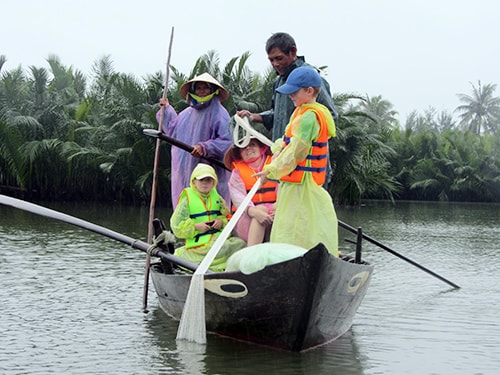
[
  {"x": 317, "y": 159},
  {"x": 267, "y": 192}
]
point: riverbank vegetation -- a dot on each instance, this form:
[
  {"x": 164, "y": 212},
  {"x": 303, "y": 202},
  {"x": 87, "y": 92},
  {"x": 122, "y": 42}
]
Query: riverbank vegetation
[{"x": 66, "y": 136}]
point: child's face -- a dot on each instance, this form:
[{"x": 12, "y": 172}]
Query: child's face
[
  {"x": 302, "y": 96},
  {"x": 204, "y": 185}
]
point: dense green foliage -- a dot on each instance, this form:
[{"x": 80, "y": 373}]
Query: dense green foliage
[{"x": 66, "y": 137}]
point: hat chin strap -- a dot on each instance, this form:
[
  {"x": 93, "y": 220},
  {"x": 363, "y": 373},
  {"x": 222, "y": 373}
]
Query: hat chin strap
[{"x": 248, "y": 133}]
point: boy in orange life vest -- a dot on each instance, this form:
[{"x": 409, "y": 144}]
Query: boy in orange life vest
[
  {"x": 199, "y": 217},
  {"x": 304, "y": 214},
  {"x": 255, "y": 224}
]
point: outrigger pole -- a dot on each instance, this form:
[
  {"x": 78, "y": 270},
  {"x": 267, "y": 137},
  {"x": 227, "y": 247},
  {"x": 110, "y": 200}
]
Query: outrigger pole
[
  {"x": 136, "y": 244},
  {"x": 382, "y": 246},
  {"x": 155, "y": 182}
]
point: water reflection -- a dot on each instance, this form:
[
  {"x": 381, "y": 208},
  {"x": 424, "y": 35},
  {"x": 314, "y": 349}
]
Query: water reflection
[
  {"x": 71, "y": 300},
  {"x": 227, "y": 356}
]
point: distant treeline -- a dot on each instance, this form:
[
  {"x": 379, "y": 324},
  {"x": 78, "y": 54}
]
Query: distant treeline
[{"x": 68, "y": 137}]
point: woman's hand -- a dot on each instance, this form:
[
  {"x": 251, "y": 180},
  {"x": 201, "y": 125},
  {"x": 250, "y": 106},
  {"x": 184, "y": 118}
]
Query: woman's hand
[
  {"x": 261, "y": 214},
  {"x": 197, "y": 151}
]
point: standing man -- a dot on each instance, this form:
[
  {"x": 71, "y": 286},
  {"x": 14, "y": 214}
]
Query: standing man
[{"x": 282, "y": 53}]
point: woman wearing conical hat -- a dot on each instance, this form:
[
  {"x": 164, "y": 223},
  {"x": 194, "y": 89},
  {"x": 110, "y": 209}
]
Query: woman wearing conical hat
[{"x": 205, "y": 125}]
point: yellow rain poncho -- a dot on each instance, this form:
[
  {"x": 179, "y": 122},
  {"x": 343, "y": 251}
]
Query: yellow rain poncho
[
  {"x": 305, "y": 215},
  {"x": 182, "y": 225}
]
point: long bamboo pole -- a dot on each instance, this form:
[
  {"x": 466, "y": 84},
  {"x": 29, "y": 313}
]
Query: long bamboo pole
[
  {"x": 135, "y": 243},
  {"x": 154, "y": 187}
]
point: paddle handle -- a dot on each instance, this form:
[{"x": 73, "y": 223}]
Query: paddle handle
[{"x": 175, "y": 142}]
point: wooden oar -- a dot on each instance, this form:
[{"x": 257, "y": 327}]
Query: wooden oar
[
  {"x": 192, "y": 325},
  {"x": 240, "y": 122},
  {"x": 154, "y": 186},
  {"x": 175, "y": 142},
  {"x": 382, "y": 246},
  {"x": 245, "y": 125},
  {"x": 136, "y": 244}
]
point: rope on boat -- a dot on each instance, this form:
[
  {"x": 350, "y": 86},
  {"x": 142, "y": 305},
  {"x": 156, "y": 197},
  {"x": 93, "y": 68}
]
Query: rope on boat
[{"x": 164, "y": 237}]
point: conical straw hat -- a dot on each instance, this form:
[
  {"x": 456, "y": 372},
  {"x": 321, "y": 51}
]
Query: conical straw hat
[{"x": 205, "y": 77}]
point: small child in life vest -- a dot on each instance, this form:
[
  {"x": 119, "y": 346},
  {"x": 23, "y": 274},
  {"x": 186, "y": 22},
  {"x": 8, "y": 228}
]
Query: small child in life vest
[
  {"x": 305, "y": 215},
  {"x": 199, "y": 217},
  {"x": 255, "y": 224}
]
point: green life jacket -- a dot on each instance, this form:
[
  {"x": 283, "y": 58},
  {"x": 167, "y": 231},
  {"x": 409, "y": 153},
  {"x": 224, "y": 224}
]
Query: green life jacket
[{"x": 201, "y": 211}]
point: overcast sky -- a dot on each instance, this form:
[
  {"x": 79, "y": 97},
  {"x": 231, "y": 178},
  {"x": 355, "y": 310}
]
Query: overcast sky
[{"x": 416, "y": 54}]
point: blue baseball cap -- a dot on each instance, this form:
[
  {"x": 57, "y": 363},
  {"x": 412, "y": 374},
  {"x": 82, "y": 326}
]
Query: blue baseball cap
[{"x": 300, "y": 77}]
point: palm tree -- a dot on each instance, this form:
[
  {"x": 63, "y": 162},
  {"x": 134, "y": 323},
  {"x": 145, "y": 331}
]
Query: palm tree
[
  {"x": 3, "y": 60},
  {"x": 359, "y": 156},
  {"x": 480, "y": 112},
  {"x": 452, "y": 165},
  {"x": 431, "y": 120},
  {"x": 381, "y": 110},
  {"x": 12, "y": 166}
]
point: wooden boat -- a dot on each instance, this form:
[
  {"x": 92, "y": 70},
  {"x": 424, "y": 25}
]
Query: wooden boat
[{"x": 293, "y": 305}]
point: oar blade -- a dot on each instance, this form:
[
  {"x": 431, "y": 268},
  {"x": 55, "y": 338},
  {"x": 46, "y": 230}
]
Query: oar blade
[{"x": 192, "y": 325}]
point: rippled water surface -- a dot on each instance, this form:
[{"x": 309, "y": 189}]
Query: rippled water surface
[{"x": 71, "y": 300}]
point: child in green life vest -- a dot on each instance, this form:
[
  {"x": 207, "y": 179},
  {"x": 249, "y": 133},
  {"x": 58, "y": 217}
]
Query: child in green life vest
[{"x": 199, "y": 217}]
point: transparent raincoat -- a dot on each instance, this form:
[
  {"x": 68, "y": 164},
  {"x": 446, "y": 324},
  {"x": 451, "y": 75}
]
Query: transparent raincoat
[
  {"x": 206, "y": 124},
  {"x": 305, "y": 215}
]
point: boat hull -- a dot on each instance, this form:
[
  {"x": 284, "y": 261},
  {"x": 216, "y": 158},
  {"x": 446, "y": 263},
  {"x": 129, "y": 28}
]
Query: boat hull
[{"x": 294, "y": 305}]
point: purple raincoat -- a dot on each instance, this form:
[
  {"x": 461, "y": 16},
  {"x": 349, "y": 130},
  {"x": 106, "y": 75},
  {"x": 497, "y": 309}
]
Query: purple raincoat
[{"x": 206, "y": 124}]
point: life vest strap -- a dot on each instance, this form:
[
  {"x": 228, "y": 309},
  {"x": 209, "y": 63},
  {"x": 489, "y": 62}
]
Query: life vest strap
[
  {"x": 310, "y": 169},
  {"x": 206, "y": 213},
  {"x": 210, "y": 231},
  {"x": 320, "y": 144},
  {"x": 316, "y": 157}
]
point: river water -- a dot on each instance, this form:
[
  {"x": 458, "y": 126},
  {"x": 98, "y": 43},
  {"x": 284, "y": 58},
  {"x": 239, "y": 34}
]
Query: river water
[{"x": 71, "y": 300}]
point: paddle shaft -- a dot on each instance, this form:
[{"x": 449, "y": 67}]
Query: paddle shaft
[
  {"x": 181, "y": 145},
  {"x": 382, "y": 246},
  {"x": 136, "y": 244},
  {"x": 154, "y": 186},
  {"x": 192, "y": 324},
  {"x": 219, "y": 242}
]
